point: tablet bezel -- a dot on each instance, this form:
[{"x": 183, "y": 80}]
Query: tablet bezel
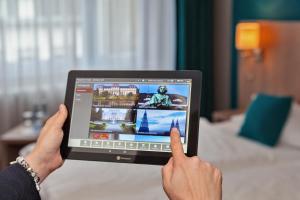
[{"x": 141, "y": 157}]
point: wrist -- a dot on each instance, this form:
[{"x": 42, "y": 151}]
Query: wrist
[
  {"x": 25, "y": 165},
  {"x": 38, "y": 164}
]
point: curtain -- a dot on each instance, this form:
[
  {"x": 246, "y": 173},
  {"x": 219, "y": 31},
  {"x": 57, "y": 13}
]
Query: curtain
[
  {"x": 194, "y": 45},
  {"x": 41, "y": 40}
]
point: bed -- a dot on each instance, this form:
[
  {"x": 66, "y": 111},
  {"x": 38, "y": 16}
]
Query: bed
[{"x": 250, "y": 171}]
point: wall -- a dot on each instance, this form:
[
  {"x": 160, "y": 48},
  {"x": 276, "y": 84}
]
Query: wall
[
  {"x": 253, "y": 10},
  {"x": 222, "y": 53},
  {"x": 278, "y": 72}
]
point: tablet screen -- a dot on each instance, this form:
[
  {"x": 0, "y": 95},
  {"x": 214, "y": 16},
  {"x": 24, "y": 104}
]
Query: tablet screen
[{"x": 129, "y": 114}]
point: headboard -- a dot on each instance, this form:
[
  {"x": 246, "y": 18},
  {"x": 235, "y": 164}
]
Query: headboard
[{"x": 279, "y": 71}]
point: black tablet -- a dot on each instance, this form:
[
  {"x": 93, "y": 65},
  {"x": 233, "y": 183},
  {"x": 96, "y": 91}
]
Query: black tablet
[{"x": 126, "y": 116}]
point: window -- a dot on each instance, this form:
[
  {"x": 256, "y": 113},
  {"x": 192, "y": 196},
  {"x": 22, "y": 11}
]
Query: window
[{"x": 41, "y": 40}]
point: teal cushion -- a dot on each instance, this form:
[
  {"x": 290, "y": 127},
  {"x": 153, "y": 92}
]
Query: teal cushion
[{"x": 265, "y": 118}]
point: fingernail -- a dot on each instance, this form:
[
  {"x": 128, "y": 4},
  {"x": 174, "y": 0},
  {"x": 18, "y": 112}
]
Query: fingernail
[
  {"x": 175, "y": 130},
  {"x": 60, "y": 108}
]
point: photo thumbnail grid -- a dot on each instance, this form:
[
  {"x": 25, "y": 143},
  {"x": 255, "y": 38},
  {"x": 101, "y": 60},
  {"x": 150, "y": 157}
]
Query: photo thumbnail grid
[{"x": 138, "y": 112}]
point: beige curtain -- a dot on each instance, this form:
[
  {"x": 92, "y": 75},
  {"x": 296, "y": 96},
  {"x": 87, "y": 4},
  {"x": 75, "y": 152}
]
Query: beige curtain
[{"x": 41, "y": 40}]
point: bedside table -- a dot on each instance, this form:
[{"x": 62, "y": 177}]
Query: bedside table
[
  {"x": 224, "y": 115},
  {"x": 15, "y": 139}
]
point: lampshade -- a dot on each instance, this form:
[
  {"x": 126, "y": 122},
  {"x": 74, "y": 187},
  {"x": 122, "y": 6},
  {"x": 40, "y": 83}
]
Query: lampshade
[{"x": 248, "y": 36}]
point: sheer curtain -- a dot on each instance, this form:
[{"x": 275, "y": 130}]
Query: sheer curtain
[{"x": 41, "y": 40}]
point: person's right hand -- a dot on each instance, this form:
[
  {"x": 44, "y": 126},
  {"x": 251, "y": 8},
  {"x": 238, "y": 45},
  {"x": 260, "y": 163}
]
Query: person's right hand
[{"x": 190, "y": 178}]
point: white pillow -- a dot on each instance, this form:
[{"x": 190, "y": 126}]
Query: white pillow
[
  {"x": 239, "y": 118},
  {"x": 291, "y": 132}
]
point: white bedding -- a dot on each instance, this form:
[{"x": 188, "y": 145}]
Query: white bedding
[
  {"x": 219, "y": 144},
  {"x": 275, "y": 182},
  {"x": 250, "y": 171}
]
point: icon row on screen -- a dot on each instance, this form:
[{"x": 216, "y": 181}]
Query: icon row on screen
[{"x": 125, "y": 145}]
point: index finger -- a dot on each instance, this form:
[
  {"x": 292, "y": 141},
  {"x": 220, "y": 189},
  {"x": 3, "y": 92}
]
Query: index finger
[{"x": 176, "y": 146}]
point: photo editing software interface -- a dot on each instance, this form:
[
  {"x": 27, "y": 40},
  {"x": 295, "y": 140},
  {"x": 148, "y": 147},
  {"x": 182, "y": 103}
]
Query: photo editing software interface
[{"x": 129, "y": 114}]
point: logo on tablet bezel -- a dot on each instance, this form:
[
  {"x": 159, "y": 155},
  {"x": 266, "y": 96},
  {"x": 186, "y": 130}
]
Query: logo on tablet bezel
[{"x": 122, "y": 158}]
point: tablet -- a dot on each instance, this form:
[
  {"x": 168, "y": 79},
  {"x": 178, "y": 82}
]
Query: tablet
[{"x": 126, "y": 116}]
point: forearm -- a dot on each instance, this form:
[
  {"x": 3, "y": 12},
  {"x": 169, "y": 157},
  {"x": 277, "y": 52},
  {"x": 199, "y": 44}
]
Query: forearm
[{"x": 16, "y": 183}]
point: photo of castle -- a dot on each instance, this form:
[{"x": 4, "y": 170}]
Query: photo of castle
[
  {"x": 116, "y": 90},
  {"x": 115, "y": 95}
]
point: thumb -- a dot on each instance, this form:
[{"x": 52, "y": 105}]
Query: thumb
[{"x": 60, "y": 117}]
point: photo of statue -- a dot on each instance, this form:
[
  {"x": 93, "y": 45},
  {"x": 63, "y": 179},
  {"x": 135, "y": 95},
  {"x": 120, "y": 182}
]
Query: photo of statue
[
  {"x": 165, "y": 97},
  {"x": 160, "y": 99}
]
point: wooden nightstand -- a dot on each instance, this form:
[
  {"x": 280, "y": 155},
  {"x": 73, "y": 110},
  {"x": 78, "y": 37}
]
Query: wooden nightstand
[
  {"x": 224, "y": 115},
  {"x": 13, "y": 140}
]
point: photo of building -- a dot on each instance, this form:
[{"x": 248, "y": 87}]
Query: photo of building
[
  {"x": 144, "y": 127},
  {"x": 116, "y": 90},
  {"x": 112, "y": 120},
  {"x": 115, "y": 95},
  {"x": 151, "y": 122},
  {"x": 113, "y": 114}
]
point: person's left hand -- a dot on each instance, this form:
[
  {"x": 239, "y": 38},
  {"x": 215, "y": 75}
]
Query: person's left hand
[{"x": 45, "y": 157}]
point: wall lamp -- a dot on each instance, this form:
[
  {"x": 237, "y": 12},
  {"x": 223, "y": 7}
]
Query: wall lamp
[{"x": 248, "y": 40}]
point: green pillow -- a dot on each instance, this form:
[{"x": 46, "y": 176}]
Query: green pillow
[{"x": 265, "y": 118}]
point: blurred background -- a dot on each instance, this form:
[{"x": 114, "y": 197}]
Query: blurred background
[
  {"x": 42, "y": 40},
  {"x": 247, "y": 51}
]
